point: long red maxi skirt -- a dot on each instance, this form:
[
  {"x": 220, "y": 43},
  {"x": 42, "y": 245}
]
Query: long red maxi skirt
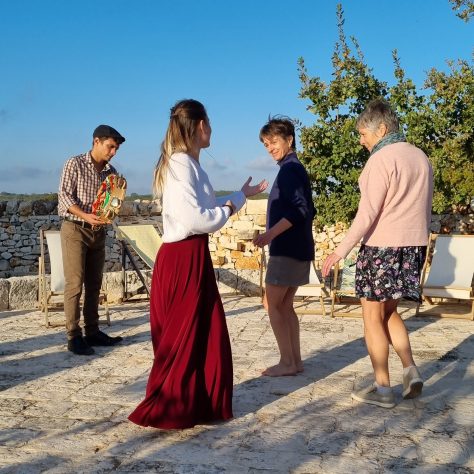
[{"x": 191, "y": 378}]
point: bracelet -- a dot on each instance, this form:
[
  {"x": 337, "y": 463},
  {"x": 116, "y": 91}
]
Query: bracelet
[{"x": 230, "y": 207}]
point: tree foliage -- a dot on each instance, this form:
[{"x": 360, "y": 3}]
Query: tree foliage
[
  {"x": 464, "y": 8},
  {"x": 438, "y": 119}
]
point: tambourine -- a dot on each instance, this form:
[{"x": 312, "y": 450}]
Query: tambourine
[{"x": 110, "y": 197}]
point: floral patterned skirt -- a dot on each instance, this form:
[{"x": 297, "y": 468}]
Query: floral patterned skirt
[{"x": 389, "y": 273}]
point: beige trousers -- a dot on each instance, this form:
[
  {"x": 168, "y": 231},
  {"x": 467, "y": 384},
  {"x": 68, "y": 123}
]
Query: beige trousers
[{"x": 83, "y": 260}]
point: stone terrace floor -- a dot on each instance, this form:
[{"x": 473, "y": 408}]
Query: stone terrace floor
[{"x": 62, "y": 413}]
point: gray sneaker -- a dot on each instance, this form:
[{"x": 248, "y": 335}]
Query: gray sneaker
[
  {"x": 412, "y": 383},
  {"x": 370, "y": 395}
]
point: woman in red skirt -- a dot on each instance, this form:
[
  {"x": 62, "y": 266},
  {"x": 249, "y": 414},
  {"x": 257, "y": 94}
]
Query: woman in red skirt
[{"x": 191, "y": 378}]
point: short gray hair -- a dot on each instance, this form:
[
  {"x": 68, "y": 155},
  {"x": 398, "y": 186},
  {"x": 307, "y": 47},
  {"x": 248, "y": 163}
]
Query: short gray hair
[{"x": 378, "y": 111}]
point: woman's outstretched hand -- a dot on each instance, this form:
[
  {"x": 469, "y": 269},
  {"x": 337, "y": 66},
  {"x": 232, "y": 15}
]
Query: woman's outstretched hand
[
  {"x": 249, "y": 190},
  {"x": 329, "y": 263}
]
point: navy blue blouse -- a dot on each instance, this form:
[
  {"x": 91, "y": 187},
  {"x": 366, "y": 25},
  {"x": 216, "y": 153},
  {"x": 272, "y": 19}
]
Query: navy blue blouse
[{"x": 290, "y": 198}]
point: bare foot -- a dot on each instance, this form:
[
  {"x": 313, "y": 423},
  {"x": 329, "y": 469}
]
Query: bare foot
[{"x": 280, "y": 370}]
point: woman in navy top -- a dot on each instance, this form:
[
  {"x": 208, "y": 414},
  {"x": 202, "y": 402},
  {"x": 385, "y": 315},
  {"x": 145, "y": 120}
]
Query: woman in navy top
[{"x": 290, "y": 214}]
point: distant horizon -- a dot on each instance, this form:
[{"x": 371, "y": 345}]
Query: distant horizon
[{"x": 128, "y": 196}]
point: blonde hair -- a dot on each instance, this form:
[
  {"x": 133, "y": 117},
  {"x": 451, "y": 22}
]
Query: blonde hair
[{"x": 185, "y": 117}]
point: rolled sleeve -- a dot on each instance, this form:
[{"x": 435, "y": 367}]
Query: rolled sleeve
[{"x": 67, "y": 187}]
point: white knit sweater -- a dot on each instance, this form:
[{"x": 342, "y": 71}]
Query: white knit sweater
[{"x": 189, "y": 204}]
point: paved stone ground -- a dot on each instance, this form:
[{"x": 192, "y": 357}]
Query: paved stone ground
[{"x": 62, "y": 413}]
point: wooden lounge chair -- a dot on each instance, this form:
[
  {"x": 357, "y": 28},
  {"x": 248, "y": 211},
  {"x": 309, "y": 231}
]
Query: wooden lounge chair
[
  {"x": 314, "y": 289},
  {"x": 343, "y": 284},
  {"x": 53, "y": 294},
  {"x": 450, "y": 275},
  {"x": 145, "y": 241}
]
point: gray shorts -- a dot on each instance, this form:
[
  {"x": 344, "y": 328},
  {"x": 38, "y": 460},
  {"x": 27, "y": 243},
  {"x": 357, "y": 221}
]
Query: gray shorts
[{"x": 287, "y": 271}]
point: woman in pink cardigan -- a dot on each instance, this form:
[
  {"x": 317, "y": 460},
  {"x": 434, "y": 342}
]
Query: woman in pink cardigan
[{"x": 393, "y": 218}]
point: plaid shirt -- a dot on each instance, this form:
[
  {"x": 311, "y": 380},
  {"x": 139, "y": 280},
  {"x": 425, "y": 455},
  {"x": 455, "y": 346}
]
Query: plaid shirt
[{"x": 79, "y": 184}]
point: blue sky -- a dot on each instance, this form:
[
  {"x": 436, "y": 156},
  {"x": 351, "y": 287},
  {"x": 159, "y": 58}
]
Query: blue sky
[{"x": 68, "y": 65}]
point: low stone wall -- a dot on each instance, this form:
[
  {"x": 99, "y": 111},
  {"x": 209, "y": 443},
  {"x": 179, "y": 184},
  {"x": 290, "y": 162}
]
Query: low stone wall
[
  {"x": 235, "y": 258},
  {"x": 18, "y": 293},
  {"x": 329, "y": 238},
  {"x": 20, "y": 222}
]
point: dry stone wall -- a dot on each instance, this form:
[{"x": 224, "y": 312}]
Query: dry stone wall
[
  {"x": 329, "y": 238},
  {"x": 235, "y": 258}
]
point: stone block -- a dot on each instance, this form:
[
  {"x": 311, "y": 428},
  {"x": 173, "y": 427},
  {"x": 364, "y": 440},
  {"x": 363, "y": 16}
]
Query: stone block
[
  {"x": 112, "y": 281},
  {"x": 321, "y": 237},
  {"x": 224, "y": 239},
  {"x": 155, "y": 208},
  {"x": 4, "y": 294},
  {"x": 43, "y": 208},
  {"x": 256, "y": 206},
  {"x": 248, "y": 282},
  {"x": 127, "y": 209},
  {"x": 339, "y": 237},
  {"x": 25, "y": 208},
  {"x": 143, "y": 209},
  {"x": 23, "y": 292},
  {"x": 243, "y": 225},
  {"x": 250, "y": 263},
  {"x": 28, "y": 258},
  {"x": 12, "y": 207},
  {"x": 233, "y": 246},
  {"x": 245, "y": 234},
  {"x": 217, "y": 261},
  {"x": 248, "y": 247},
  {"x": 260, "y": 220}
]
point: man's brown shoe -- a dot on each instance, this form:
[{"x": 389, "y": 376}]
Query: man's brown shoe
[
  {"x": 102, "y": 339},
  {"x": 79, "y": 346}
]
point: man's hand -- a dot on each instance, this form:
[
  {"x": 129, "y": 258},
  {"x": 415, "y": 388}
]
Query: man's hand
[
  {"x": 329, "y": 263},
  {"x": 92, "y": 219},
  {"x": 249, "y": 190}
]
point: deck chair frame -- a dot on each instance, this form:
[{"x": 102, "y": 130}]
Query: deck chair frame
[
  {"x": 44, "y": 294},
  {"x": 125, "y": 243},
  {"x": 430, "y": 291},
  {"x": 338, "y": 293},
  {"x": 314, "y": 289}
]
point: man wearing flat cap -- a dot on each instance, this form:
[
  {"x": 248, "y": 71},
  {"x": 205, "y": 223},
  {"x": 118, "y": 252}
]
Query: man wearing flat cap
[{"x": 83, "y": 239}]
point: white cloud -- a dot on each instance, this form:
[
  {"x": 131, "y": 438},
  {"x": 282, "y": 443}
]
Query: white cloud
[{"x": 262, "y": 163}]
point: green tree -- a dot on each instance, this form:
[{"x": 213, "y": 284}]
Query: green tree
[
  {"x": 449, "y": 118},
  {"x": 331, "y": 150},
  {"x": 439, "y": 119},
  {"x": 464, "y": 8}
]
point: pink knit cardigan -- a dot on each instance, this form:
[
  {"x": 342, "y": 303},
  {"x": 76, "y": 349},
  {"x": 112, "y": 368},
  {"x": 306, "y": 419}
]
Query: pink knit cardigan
[{"x": 396, "y": 187}]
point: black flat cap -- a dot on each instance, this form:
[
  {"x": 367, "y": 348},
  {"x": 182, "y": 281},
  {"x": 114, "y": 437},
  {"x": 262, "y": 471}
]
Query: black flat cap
[{"x": 106, "y": 131}]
